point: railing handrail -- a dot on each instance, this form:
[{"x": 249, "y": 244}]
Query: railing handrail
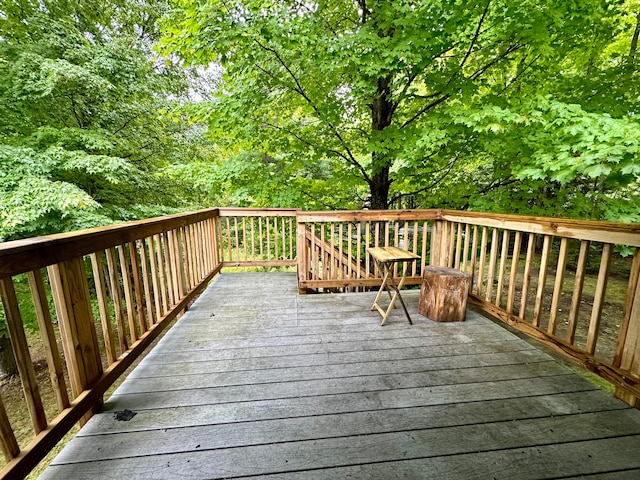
[
  {"x": 257, "y": 212},
  {"x": 592, "y": 230},
  {"x": 19, "y": 256}
]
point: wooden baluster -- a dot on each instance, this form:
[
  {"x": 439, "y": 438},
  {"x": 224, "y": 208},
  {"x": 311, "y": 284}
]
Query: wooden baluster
[
  {"x": 396, "y": 239},
  {"x": 73, "y": 306},
  {"x": 598, "y": 298},
  {"x": 103, "y": 307},
  {"x": 291, "y": 251},
  {"x": 557, "y": 287},
  {"x": 414, "y": 250},
  {"x": 483, "y": 257},
  {"x": 526, "y": 279},
  {"x": 202, "y": 249},
  {"x": 236, "y": 238},
  {"x": 114, "y": 287},
  {"x": 169, "y": 268},
  {"x": 216, "y": 241},
  {"x": 340, "y": 251},
  {"x": 492, "y": 264},
  {"x": 542, "y": 280},
  {"x": 179, "y": 262},
  {"x": 465, "y": 250},
  {"x": 8, "y": 442},
  {"x": 128, "y": 297},
  {"x": 267, "y": 222},
  {"x": 349, "y": 250},
  {"x": 229, "y": 243},
  {"x": 22, "y": 356},
  {"x": 451, "y": 243},
  {"x": 144, "y": 255},
  {"x": 244, "y": 238},
  {"x": 513, "y": 276},
  {"x": 576, "y": 296},
  {"x": 367, "y": 262},
  {"x": 386, "y": 233},
  {"x": 276, "y": 240},
  {"x": 45, "y": 324},
  {"x": 423, "y": 253},
  {"x": 315, "y": 266},
  {"x": 282, "y": 242},
  {"x": 322, "y": 255},
  {"x": 154, "y": 278},
  {"x": 253, "y": 240},
  {"x": 331, "y": 251},
  {"x": 359, "y": 249},
  {"x": 137, "y": 286},
  {"x": 261, "y": 236},
  {"x": 456, "y": 262},
  {"x": 189, "y": 258},
  {"x": 474, "y": 256},
  {"x": 504, "y": 254},
  {"x": 162, "y": 274}
]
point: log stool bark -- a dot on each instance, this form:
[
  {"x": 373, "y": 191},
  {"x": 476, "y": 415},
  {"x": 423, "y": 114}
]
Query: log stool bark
[{"x": 443, "y": 294}]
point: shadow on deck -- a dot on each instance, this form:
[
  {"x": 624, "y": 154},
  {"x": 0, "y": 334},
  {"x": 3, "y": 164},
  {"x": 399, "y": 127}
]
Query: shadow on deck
[{"x": 256, "y": 380}]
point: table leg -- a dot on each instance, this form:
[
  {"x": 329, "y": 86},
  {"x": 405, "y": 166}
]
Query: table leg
[
  {"x": 382, "y": 287},
  {"x": 397, "y": 289}
]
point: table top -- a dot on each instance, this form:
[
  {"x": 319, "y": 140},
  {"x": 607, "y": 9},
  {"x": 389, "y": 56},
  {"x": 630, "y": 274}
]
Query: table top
[{"x": 392, "y": 254}]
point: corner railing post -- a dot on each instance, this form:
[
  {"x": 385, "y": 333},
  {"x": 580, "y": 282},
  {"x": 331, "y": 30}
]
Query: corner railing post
[
  {"x": 79, "y": 340},
  {"x": 627, "y": 354},
  {"x": 301, "y": 254}
]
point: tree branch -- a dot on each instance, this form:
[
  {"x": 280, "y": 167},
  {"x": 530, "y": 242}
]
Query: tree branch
[
  {"x": 432, "y": 184},
  {"x": 475, "y": 36},
  {"x": 315, "y": 108},
  {"x": 354, "y": 162}
]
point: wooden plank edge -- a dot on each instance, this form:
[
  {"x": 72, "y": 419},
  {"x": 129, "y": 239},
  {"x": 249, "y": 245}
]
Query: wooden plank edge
[
  {"x": 616, "y": 376},
  {"x": 367, "y": 215},
  {"x": 353, "y": 282},
  {"x": 258, "y": 263},
  {"x": 44, "y": 442}
]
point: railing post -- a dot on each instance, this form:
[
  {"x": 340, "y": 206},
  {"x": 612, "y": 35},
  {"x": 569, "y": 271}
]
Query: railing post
[
  {"x": 79, "y": 340},
  {"x": 301, "y": 254},
  {"x": 627, "y": 354}
]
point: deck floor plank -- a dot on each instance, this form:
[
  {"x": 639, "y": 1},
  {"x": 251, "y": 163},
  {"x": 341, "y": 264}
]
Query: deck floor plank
[{"x": 257, "y": 381}]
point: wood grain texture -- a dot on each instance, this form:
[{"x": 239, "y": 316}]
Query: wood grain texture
[
  {"x": 45, "y": 324},
  {"x": 22, "y": 355}
]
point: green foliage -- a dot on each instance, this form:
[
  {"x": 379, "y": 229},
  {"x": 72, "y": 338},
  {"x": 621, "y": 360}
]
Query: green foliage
[
  {"x": 447, "y": 104},
  {"x": 87, "y": 119}
]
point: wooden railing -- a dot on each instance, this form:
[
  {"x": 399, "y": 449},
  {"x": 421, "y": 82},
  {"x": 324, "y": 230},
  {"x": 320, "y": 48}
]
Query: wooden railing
[
  {"x": 137, "y": 277},
  {"x": 115, "y": 289},
  {"x": 332, "y": 246},
  {"x": 549, "y": 278},
  {"x": 257, "y": 237}
]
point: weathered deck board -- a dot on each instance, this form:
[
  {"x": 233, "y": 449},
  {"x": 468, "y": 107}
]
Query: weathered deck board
[{"x": 257, "y": 381}]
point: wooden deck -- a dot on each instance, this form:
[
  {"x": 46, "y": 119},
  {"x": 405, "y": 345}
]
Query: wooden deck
[{"x": 258, "y": 381}]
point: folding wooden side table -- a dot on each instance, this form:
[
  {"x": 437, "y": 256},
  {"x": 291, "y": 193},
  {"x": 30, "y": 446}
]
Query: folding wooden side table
[{"x": 386, "y": 258}]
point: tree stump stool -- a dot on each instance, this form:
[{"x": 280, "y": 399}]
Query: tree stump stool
[{"x": 443, "y": 294}]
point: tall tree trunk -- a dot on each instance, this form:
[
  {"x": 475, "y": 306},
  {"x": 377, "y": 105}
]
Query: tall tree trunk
[
  {"x": 8, "y": 367},
  {"x": 381, "y": 116},
  {"x": 634, "y": 40}
]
